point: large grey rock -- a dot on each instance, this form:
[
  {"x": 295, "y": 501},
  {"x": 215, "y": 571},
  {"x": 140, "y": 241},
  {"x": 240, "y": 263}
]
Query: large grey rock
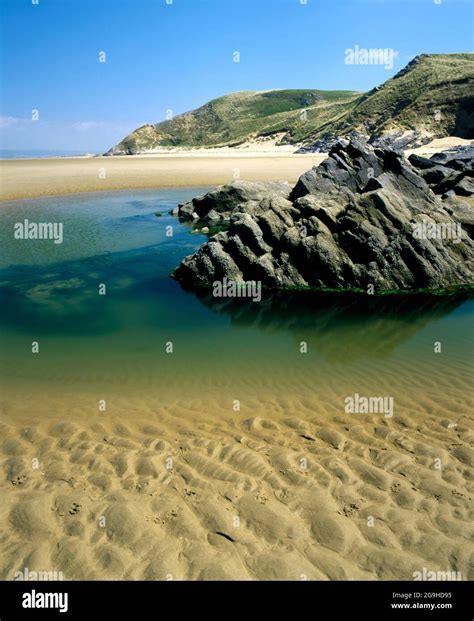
[
  {"x": 449, "y": 172},
  {"x": 458, "y": 158},
  {"x": 420, "y": 162},
  {"x": 464, "y": 186},
  {"x": 438, "y": 174},
  {"x": 224, "y": 201},
  {"x": 363, "y": 217}
]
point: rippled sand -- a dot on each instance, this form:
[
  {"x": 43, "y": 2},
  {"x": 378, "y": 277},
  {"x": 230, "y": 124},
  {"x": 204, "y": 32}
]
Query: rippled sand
[
  {"x": 284, "y": 489},
  {"x": 173, "y": 480}
]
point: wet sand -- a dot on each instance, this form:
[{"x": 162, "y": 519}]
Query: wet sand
[
  {"x": 165, "y": 168},
  {"x": 51, "y": 177}
]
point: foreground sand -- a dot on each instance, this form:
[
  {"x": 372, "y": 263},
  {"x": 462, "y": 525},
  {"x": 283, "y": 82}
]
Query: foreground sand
[
  {"x": 49, "y": 177},
  {"x": 236, "y": 500}
]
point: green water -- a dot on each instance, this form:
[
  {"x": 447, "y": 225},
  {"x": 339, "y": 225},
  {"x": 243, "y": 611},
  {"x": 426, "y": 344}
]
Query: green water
[{"x": 113, "y": 346}]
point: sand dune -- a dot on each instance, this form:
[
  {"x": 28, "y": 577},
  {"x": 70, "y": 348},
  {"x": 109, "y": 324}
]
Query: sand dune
[{"x": 263, "y": 497}]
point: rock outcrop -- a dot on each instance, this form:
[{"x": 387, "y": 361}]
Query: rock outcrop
[
  {"x": 396, "y": 140},
  {"x": 364, "y": 217},
  {"x": 448, "y": 173},
  {"x": 220, "y": 204}
]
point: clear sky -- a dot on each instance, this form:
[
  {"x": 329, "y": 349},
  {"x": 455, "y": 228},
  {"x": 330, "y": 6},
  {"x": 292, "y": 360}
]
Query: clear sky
[{"x": 177, "y": 56}]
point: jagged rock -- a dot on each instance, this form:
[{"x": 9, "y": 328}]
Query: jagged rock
[
  {"x": 437, "y": 174},
  {"x": 328, "y": 141},
  {"x": 420, "y": 162},
  {"x": 459, "y": 158},
  {"x": 363, "y": 217},
  {"x": 221, "y": 203},
  {"x": 464, "y": 187},
  {"x": 449, "y": 172}
]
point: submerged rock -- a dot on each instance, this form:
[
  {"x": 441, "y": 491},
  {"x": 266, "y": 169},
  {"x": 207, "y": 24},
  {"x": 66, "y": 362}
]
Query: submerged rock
[{"x": 363, "y": 217}]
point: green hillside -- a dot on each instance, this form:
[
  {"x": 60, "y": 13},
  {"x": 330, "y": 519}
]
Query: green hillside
[{"x": 432, "y": 96}]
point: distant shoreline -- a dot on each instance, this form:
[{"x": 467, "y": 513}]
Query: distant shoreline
[
  {"x": 55, "y": 176},
  {"x": 25, "y": 179},
  {"x": 249, "y": 150}
]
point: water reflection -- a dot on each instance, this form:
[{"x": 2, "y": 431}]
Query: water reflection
[{"x": 342, "y": 326}]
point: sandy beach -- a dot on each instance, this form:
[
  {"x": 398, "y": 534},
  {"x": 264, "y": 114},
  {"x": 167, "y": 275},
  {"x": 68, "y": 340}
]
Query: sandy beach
[
  {"x": 56, "y": 176},
  {"x": 170, "y": 483},
  {"x": 264, "y": 497},
  {"x": 236, "y": 309},
  {"x": 31, "y": 178}
]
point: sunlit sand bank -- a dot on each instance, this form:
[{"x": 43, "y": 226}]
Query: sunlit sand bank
[
  {"x": 55, "y": 176},
  {"x": 165, "y": 168}
]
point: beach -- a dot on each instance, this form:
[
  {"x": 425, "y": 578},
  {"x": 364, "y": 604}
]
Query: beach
[
  {"x": 165, "y": 168},
  {"x": 233, "y": 458},
  {"x": 56, "y": 176},
  {"x": 281, "y": 494}
]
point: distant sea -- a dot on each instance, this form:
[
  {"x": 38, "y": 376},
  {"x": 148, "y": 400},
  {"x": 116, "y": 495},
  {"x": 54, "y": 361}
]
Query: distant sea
[{"x": 11, "y": 154}]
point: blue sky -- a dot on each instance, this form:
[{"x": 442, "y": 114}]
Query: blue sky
[{"x": 177, "y": 56}]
